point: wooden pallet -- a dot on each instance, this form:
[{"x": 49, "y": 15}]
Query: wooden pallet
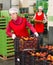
[{"x": 6, "y": 57}]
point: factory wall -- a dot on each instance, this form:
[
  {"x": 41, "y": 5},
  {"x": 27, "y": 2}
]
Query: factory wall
[{"x": 5, "y": 4}]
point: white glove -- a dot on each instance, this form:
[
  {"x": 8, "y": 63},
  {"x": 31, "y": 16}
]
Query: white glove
[
  {"x": 18, "y": 59},
  {"x": 36, "y": 34},
  {"x": 13, "y": 36}
]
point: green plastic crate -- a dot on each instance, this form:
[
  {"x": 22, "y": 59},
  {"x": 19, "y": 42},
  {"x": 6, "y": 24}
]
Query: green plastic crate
[
  {"x": 7, "y": 44},
  {"x": 2, "y": 23},
  {"x": 5, "y": 13}
]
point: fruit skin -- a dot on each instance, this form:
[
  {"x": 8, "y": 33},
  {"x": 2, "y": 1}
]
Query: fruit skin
[
  {"x": 46, "y": 46},
  {"x": 41, "y": 58},
  {"x": 49, "y": 57},
  {"x": 26, "y": 38},
  {"x": 33, "y": 54},
  {"x": 52, "y": 63},
  {"x": 52, "y": 58},
  {"x": 37, "y": 54},
  {"x": 43, "y": 54},
  {"x": 50, "y": 47},
  {"x": 31, "y": 38}
]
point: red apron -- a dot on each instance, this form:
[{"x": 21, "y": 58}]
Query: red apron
[{"x": 39, "y": 26}]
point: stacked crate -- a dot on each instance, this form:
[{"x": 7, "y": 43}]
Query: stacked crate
[
  {"x": 6, "y": 43},
  {"x": 4, "y": 13},
  {"x": 2, "y": 23},
  {"x": 6, "y": 46},
  {"x": 45, "y": 28}
]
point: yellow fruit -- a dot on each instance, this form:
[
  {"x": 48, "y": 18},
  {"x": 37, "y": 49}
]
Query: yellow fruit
[{"x": 25, "y": 38}]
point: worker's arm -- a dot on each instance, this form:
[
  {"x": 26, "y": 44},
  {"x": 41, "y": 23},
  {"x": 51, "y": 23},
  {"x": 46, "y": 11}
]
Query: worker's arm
[
  {"x": 45, "y": 18},
  {"x": 32, "y": 28},
  {"x": 8, "y": 30},
  {"x": 9, "y": 33}
]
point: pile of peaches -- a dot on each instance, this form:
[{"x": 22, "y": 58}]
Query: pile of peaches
[
  {"x": 48, "y": 47},
  {"x": 44, "y": 53},
  {"x": 28, "y": 38}
]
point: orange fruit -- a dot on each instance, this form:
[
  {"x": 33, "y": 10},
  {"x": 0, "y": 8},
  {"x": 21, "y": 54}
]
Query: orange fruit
[
  {"x": 50, "y": 47},
  {"x": 33, "y": 54},
  {"x": 41, "y": 58},
  {"x": 49, "y": 57},
  {"x": 37, "y": 54},
  {"x": 31, "y": 38},
  {"x": 46, "y": 46},
  {"x": 25, "y": 38}
]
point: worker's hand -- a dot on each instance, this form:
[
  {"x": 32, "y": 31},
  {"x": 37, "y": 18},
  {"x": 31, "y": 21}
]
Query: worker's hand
[
  {"x": 18, "y": 59},
  {"x": 36, "y": 34},
  {"x": 13, "y": 36}
]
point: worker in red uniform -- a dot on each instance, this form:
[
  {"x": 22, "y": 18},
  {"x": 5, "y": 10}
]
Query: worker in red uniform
[
  {"x": 19, "y": 26},
  {"x": 40, "y": 19}
]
